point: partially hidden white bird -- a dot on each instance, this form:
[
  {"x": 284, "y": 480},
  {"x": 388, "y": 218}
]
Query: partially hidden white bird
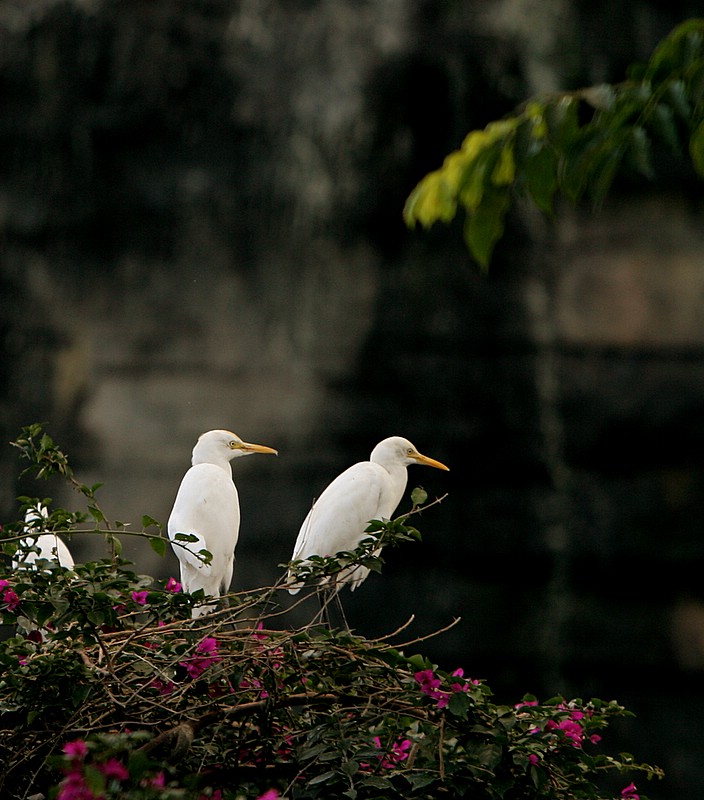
[
  {"x": 367, "y": 490},
  {"x": 207, "y": 507},
  {"x": 48, "y": 545}
]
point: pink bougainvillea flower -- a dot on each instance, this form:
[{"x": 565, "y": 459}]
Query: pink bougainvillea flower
[
  {"x": 271, "y": 794},
  {"x": 163, "y": 687},
  {"x": 158, "y": 781},
  {"x": 570, "y": 729},
  {"x": 533, "y": 759},
  {"x": 629, "y": 792},
  {"x": 73, "y": 787},
  {"x": 208, "y": 646},
  {"x": 113, "y": 768},
  {"x": 10, "y": 599},
  {"x": 429, "y": 684},
  {"x": 525, "y": 703},
  {"x": 595, "y": 738},
  {"x": 260, "y": 637},
  {"x": 76, "y": 749},
  {"x": 4, "y": 584},
  {"x": 140, "y": 598},
  {"x": 207, "y": 650},
  {"x": 172, "y": 585},
  {"x": 399, "y": 753},
  {"x": 427, "y": 680},
  {"x": 399, "y": 750},
  {"x": 254, "y": 683}
]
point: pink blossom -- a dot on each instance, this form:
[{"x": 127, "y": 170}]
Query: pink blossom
[
  {"x": 429, "y": 684},
  {"x": 76, "y": 749},
  {"x": 158, "y": 780},
  {"x": 271, "y": 794},
  {"x": 208, "y": 646},
  {"x": 172, "y": 585},
  {"x": 4, "y": 584},
  {"x": 73, "y": 787},
  {"x": 11, "y": 599},
  {"x": 163, "y": 687},
  {"x": 525, "y": 703},
  {"x": 427, "y": 680},
  {"x": 112, "y": 768},
  {"x": 208, "y": 655},
  {"x": 254, "y": 683},
  {"x": 570, "y": 729},
  {"x": 533, "y": 759},
  {"x": 398, "y": 754},
  {"x": 140, "y": 598},
  {"x": 630, "y": 793},
  {"x": 260, "y": 637}
]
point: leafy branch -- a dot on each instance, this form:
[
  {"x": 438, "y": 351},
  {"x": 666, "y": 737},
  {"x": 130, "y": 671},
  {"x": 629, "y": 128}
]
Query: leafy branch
[{"x": 571, "y": 144}]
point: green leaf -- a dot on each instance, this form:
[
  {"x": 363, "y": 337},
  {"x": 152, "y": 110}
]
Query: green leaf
[
  {"x": 459, "y": 704},
  {"x": 148, "y": 521},
  {"x": 431, "y": 201},
  {"x": 663, "y": 125},
  {"x": 640, "y": 151},
  {"x": 375, "y": 783},
  {"x": 504, "y": 172},
  {"x": 676, "y": 94},
  {"x": 158, "y": 545},
  {"x": 96, "y": 513},
  {"x": 322, "y": 778},
  {"x": 185, "y": 537},
  {"x": 540, "y": 171},
  {"x": 486, "y": 224},
  {"x": 419, "y": 496}
]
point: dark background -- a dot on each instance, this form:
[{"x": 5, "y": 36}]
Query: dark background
[{"x": 200, "y": 221}]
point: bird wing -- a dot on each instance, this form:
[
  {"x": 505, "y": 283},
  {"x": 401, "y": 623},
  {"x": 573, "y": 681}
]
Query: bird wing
[
  {"x": 339, "y": 517},
  {"x": 206, "y": 506}
]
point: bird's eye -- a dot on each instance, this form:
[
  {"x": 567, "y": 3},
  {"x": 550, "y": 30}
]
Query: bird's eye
[
  {"x": 409, "y": 451},
  {"x": 233, "y": 444}
]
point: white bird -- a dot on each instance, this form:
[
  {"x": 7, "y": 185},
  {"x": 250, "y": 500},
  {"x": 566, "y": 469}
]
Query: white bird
[
  {"x": 48, "y": 545},
  {"x": 365, "y": 491},
  {"x": 207, "y": 507}
]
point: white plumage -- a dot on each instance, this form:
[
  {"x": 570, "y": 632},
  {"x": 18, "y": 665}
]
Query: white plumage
[
  {"x": 365, "y": 491},
  {"x": 49, "y": 545},
  {"x": 207, "y": 507}
]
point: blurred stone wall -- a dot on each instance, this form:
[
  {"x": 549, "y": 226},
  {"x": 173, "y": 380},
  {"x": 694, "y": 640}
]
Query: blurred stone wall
[{"x": 200, "y": 222}]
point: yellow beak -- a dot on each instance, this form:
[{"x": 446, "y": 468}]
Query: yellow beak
[
  {"x": 258, "y": 448},
  {"x": 429, "y": 462}
]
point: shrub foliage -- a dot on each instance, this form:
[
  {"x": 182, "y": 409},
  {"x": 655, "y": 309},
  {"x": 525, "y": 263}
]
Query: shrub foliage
[{"x": 108, "y": 689}]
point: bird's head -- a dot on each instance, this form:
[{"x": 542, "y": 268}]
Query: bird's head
[
  {"x": 397, "y": 450},
  {"x": 220, "y": 445}
]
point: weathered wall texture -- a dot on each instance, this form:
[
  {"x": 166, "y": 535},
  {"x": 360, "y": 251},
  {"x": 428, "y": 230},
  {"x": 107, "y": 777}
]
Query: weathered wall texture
[{"x": 200, "y": 221}]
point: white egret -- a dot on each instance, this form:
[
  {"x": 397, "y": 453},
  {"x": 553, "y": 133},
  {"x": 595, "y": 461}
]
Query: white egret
[
  {"x": 365, "y": 491},
  {"x": 207, "y": 507},
  {"x": 48, "y": 545}
]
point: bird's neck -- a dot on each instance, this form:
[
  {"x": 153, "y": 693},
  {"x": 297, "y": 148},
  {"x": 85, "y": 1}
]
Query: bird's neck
[
  {"x": 224, "y": 464},
  {"x": 399, "y": 477}
]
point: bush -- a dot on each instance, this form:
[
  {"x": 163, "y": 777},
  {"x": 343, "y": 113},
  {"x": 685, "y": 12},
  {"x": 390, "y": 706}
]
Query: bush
[{"x": 109, "y": 689}]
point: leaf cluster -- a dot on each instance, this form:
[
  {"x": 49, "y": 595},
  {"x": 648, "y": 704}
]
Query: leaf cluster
[{"x": 571, "y": 144}]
